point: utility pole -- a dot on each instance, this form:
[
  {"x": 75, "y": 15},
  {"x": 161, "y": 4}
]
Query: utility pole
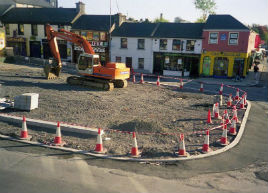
[{"x": 110, "y": 37}]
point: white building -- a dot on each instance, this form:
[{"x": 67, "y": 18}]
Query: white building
[{"x": 161, "y": 48}]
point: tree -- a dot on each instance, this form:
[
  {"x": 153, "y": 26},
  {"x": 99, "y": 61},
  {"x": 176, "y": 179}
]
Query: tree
[
  {"x": 179, "y": 20},
  {"x": 206, "y": 7},
  {"x": 160, "y": 19}
]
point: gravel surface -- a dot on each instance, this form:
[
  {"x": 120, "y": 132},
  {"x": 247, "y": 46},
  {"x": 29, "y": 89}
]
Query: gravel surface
[{"x": 141, "y": 108}]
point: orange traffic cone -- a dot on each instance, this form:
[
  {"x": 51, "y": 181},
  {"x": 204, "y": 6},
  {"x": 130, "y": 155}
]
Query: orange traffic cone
[
  {"x": 242, "y": 102},
  {"x": 181, "y": 84},
  {"x": 142, "y": 81},
  {"x": 235, "y": 114},
  {"x": 232, "y": 130},
  {"x": 221, "y": 89},
  {"x": 99, "y": 148},
  {"x": 229, "y": 102},
  {"x": 224, "y": 141},
  {"x": 133, "y": 78},
  {"x": 158, "y": 81},
  {"x": 206, "y": 148},
  {"x": 201, "y": 87},
  {"x": 224, "y": 125},
  {"x": 134, "y": 150},
  {"x": 209, "y": 117},
  {"x": 226, "y": 117},
  {"x": 217, "y": 112},
  {"x": 57, "y": 139},
  {"x": 24, "y": 132},
  {"x": 182, "y": 151},
  {"x": 237, "y": 94},
  {"x": 245, "y": 99}
]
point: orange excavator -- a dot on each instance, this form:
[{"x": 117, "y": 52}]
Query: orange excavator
[{"x": 92, "y": 73}]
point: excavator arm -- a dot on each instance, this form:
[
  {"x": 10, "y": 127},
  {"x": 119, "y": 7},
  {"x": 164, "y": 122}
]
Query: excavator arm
[{"x": 53, "y": 71}]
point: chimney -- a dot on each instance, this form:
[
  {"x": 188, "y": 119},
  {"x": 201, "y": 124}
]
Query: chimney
[
  {"x": 161, "y": 16},
  {"x": 80, "y": 8},
  {"x": 119, "y": 18}
]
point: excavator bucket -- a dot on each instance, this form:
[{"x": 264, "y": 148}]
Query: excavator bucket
[{"x": 51, "y": 71}]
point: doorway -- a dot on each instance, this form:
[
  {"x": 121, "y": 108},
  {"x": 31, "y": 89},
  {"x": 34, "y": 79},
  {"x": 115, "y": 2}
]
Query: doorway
[
  {"x": 221, "y": 67},
  {"x": 129, "y": 62}
]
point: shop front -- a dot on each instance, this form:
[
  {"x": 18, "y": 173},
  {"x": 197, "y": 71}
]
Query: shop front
[
  {"x": 62, "y": 44},
  {"x": 18, "y": 44},
  {"x": 176, "y": 64},
  {"x": 223, "y": 64}
]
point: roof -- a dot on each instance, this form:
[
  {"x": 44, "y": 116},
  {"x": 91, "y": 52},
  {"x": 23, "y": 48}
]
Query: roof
[
  {"x": 93, "y": 22},
  {"x": 41, "y": 3},
  {"x": 135, "y": 30},
  {"x": 40, "y": 15},
  {"x": 4, "y": 8},
  {"x": 224, "y": 22},
  {"x": 179, "y": 30}
]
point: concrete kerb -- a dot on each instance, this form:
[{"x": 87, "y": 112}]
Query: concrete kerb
[{"x": 231, "y": 145}]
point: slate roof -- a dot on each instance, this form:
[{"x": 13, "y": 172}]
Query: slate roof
[
  {"x": 52, "y": 16},
  {"x": 179, "y": 30},
  {"x": 93, "y": 22},
  {"x": 3, "y": 8},
  {"x": 224, "y": 22},
  {"x": 41, "y": 3},
  {"x": 135, "y": 30}
]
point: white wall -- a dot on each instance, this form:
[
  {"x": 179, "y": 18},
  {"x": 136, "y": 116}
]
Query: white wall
[{"x": 133, "y": 51}]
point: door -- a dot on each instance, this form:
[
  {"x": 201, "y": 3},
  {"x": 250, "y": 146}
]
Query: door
[
  {"x": 206, "y": 65},
  {"x": 194, "y": 67},
  {"x": 35, "y": 49},
  {"x": 221, "y": 67},
  {"x": 158, "y": 63},
  {"x": 129, "y": 62},
  {"x": 238, "y": 68}
]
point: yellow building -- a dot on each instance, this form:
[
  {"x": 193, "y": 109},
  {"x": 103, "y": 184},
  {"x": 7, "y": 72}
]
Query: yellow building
[{"x": 2, "y": 41}]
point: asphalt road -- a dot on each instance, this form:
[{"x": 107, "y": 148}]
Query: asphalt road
[{"x": 27, "y": 168}]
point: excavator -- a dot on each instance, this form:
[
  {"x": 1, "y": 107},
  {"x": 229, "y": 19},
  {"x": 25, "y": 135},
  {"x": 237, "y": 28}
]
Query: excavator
[{"x": 91, "y": 72}]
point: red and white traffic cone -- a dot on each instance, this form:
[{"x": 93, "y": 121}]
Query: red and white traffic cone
[
  {"x": 142, "y": 81},
  {"x": 57, "y": 139},
  {"x": 24, "y": 132},
  {"x": 182, "y": 151},
  {"x": 232, "y": 130},
  {"x": 181, "y": 84},
  {"x": 206, "y": 147},
  {"x": 134, "y": 150},
  {"x": 226, "y": 117},
  {"x": 235, "y": 114},
  {"x": 221, "y": 89},
  {"x": 224, "y": 125},
  {"x": 224, "y": 141},
  {"x": 99, "y": 147},
  {"x": 209, "y": 117},
  {"x": 242, "y": 106},
  {"x": 158, "y": 81},
  {"x": 216, "y": 111},
  {"x": 229, "y": 102},
  {"x": 245, "y": 99},
  {"x": 237, "y": 94},
  {"x": 133, "y": 78},
  {"x": 201, "y": 87}
]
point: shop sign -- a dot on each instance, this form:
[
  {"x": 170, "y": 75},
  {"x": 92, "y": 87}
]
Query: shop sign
[
  {"x": 78, "y": 48},
  {"x": 96, "y": 49},
  {"x": 226, "y": 54},
  {"x": 99, "y": 44},
  {"x": 13, "y": 39},
  {"x": 223, "y": 36},
  {"x": 179, "y": 61}
]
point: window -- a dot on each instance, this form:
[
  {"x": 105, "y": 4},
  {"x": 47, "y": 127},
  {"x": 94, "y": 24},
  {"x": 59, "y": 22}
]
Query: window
[
  {"x": 123, "y": 42},
  {"x": 84, "y": 34},
  {"x": 163, "y": 44},
  {"x": 190, "y": 45},
  {"x": 213, "y": 38},
  {"x": 141, "y": 44},
  {"x": 176, "y": 45},
  {"x": 103, "y": 36},
  {"x": 7, "y": 29},
  {"x": 206, "y": 65},
  {"x": 118, "y": 59},
  {"x": 34, "y": 30},
  {"x": 20, "y": 29},
  {"x": 89, "y": 35},
  {"x": 45, "y": 33},
  {"x": 96, "y": 36},
  {"x": 233, "y": 38},
  {"x": 141, "y": 63}
]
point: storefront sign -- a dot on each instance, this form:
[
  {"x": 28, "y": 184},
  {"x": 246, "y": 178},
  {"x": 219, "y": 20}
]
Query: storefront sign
[
  {"x": 96, "y": 49},
  {"x": 13, "y": 39},
  {"x": 99, "y": 44},
  {"x": 226, "y": 54}
]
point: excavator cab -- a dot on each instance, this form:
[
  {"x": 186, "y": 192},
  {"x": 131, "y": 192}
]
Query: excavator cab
[{"x": 86, "y": 62}]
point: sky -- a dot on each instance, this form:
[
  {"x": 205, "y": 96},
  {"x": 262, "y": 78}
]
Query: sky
[{"x": 246, "y": 11}]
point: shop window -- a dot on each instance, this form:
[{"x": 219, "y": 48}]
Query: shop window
[
  {"x": 118, "y": 59},
  {"x": 233, "y": 38},
  {"x": 141, "y": 63},
  {"x": 176, "y": 45},
  {"x": 141, "y": 44},
  {"x": 96, "y": 36},
  {"x": 34, "y": 29},
  {"x": 206, "y": 65},
  {"x": 7, "y": 29},
  {"x": 173, "y": 63},
  {"x": 20, "y": 29},
  {"x": 103, "y": 36},
  {"x": 221, "y": 66},
  {"x": 190, "y": 45},
  {"x": 163, "y": 44},
  {"x": 89, "y": 35},
  {"x": 213, "y": 38},
  {"x": 84, "y": 34},
  {"x": 123, "y": 42}
]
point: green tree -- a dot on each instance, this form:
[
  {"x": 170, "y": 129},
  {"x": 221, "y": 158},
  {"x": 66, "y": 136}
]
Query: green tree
[{"x": 206, "y": 7}]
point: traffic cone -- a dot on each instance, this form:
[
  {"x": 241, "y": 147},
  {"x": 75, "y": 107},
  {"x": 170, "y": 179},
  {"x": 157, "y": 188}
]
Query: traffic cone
[
  {"x": 209, "y": 117},
  {"x": 232, "y": 130},
  {"x": 133, "y": 78},
  {"x": 158, "y": 81},
  {"x": 242, "y": 106},
  {"x": 224, "y": 141},
  {"x": 221, "y": 89},
  {"x": 99, "y": 148},
  {"x": 182, "y": 151},
  {"x": 224, "y": 125},
  {"x": 201, "y": 87},
  {"x": 24, "y": 132},
  {"x": 229, "y": 102},
  {"x": 134, "y": 150},
  {"x": 226, "y": 117},
  {"x": 216, "y": 111},
  {"x": 206, "y": 148},
  {"x": 142, "y": 81},
  {"x": 57, "y": 139},
  {"x": 245, "y": 99},
  {"x": 237, "y": 94},
  {"x": 235, "y": 114},
  {"x": 181, "y": 84}
]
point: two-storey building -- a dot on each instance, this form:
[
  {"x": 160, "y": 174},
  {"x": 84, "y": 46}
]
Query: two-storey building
[{"x": 226, "y": 47}]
